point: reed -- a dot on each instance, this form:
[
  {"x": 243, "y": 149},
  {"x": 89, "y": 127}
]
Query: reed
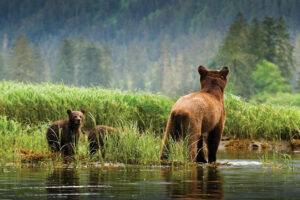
[
  {"x": 277, "y": 160},
  {"x": 21, "y": 144},
  {"x": 256, "y": 121},
  {"x": 26, "y": 110},
  {"x": 32, "y": 103}
]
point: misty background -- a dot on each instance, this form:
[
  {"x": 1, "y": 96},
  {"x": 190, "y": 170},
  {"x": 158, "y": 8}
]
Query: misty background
[{"x": 152, "y": 45}]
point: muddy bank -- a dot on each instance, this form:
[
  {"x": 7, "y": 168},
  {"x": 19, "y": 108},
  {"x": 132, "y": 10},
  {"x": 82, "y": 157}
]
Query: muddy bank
[{"x": 230, "y": 144}]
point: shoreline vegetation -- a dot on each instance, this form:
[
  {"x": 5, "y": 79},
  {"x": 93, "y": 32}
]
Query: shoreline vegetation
[{"x": 26, "y": 110}]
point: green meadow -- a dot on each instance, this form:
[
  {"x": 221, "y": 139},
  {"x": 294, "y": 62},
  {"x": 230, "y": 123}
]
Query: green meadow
[{"x": 27, "y": 109}]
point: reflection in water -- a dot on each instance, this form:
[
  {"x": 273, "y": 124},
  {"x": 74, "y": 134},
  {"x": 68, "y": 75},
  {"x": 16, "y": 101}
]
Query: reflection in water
[
  {"x": 147, "y": 182},
  {"x": 63, "y": 183},
  {"x": 203, "y": 183}
]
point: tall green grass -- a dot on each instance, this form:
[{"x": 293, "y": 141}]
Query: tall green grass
[
  {"x": 30, "y": 103},
  {"x": 282, "y": 99},
  {"x": 255, "y": 121},
  {"x": 129, "y": 146},
  {"x": 33, "y": 104},
  {"x": 15, "y": 136}
]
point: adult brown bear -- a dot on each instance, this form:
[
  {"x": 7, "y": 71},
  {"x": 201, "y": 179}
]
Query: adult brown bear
[
  {"x": 198, "y": 113},
  {"x": 63, "y": 135},
  {"x": 96, "y": 136}
]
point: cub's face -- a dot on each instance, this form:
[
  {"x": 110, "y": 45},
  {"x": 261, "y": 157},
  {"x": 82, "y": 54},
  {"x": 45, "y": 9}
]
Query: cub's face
[{"x": 76, "y": 117}]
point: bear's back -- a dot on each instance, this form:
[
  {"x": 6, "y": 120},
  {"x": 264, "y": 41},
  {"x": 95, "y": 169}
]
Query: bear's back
[{"x": 200, "y": 107}]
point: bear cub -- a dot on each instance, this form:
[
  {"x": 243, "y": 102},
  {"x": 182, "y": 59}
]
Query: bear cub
[
  {"x": 63, "y": 135},
  {"x": 96, "y": 136}
]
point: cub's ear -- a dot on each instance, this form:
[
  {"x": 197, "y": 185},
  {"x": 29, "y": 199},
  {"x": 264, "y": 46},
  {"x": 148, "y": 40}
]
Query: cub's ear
[
  {"x": 83, "y": 111},
  {"x": 69, "y": 112},
  {"x": 202, "y": 71},
  {"x": 224, "y": 72}
]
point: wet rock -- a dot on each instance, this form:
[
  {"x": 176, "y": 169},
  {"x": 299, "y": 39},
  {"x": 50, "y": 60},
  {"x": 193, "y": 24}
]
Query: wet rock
[
  {"x": 295, "y": 144},
  {"x": 255, "y": 146}
]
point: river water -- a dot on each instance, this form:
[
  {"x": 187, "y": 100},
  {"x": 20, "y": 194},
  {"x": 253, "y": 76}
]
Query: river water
[{"x": 246, "y": 178}]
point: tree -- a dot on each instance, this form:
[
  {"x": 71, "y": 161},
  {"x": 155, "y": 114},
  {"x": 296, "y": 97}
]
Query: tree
[
  {"x": 2, "y": 68},
  {"x": 255, "y": 44},
  {"x": 235, "y": 54},
  {"x": 106, "y": 65},
  {"x": 90, "y": 68},
  {"x": 38, "y": 64},
  {"x": 245, "y": 47},
  {"x": 284, "y": 50},
  {"x": 236, "y": 37},
  {"x": 278, "y": 49},
  {"x": 21, "y": 65},
  {"x": 138, "y": 65},
  {"x": 65, "y": 69},
  {"x": 267, "y": 79},
  {"x": 159, "y": 71}
]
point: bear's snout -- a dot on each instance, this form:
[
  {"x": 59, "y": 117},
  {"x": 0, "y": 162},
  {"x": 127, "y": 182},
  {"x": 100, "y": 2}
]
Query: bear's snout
[{"x": 77, "y": 120}]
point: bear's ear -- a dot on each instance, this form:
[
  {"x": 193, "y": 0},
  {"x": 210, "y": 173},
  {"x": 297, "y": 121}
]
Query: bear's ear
[
  {"x": 69, "y": 112},
  {"x": 224, "y": 72},
  {"x": 83, "y": 111},
  {"x": 202, "y": 71}
]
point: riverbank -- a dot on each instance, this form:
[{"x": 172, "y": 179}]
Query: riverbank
[
  {"x": 248, "y": 145},
  {"x": 26, "y": 110}
]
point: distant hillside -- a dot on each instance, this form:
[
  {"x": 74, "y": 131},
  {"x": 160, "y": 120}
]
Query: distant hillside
[
  {"x": 125, "y": 20},
  {"x": 151, "y": 45}
]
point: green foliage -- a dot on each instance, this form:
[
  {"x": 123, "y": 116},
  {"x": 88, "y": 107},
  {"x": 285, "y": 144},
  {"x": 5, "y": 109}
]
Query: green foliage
[
  {"x": 244, "y": 48},
  {"x": 247, "y": 120},
  {"x": 30, "y": 103},
  {"x": 26, "y": 111},
  {"x": 267, "y": 79},
  {"x": 255, "y": 44},
  {"x": 150, "y": 45},
  {"x": 82, "y": 63},
  {"x": 25, "y": 63},
  {"x": 2, "y": 68},
  {"x": 234, "y": 53},
  {"x": 33, "y": 104},
  {"x": 278, "y": 49},
  {"x": 128, "y": 146},
  {"x": 65, "y": 69},
  {"x": 235, "y": 39},
  {"x": 281, "y": 98},
  {"x": 15, "y": 136}
]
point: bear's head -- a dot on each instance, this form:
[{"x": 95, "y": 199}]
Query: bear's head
[
  {"x": 211, "y": 79},
  {"x": 76, "y": 117}
]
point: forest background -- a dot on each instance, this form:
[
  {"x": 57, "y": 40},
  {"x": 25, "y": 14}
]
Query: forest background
[{"x": 153, "y": 45}]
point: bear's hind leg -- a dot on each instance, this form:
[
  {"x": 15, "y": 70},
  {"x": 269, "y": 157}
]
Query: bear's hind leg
[
  {"x": 194, "y": 132},
  {"x": 213, "y": 141},
  {"x": 201, "y": 155}
]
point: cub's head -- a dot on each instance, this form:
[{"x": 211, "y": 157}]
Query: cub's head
[
  {"x": 76, "y": 117},
  {"x": 213, "y": 78}
]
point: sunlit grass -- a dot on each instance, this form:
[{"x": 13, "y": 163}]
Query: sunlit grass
[
  {"x": 33, "y": 104},
  {"x": 26, "y": 110},
  {"x": 21, "y": 145},
  {"x": 256, "y": 121},
  {"x": 30, "y": 103}
]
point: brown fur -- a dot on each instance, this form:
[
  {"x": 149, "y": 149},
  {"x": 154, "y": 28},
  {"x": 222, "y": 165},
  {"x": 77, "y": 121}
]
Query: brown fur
[
  {"x": 196, "y": 183},
  {"x": 96, "y": 137},
  {"x": 63, "y": 135},
  {"x": 198, "y": 113}
]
